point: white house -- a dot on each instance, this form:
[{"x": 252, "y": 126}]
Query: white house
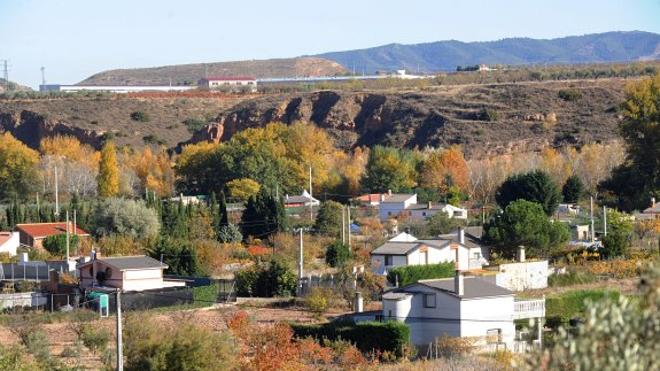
[
  {"x": 406, "y": 206},
  {"x": 229, "y": 82},
  {"x": 129, "y": 273},
  {"x": 305, "y": 199},
  {"x": 405, "y": 249},
  {"x": 9, "y": 242},
  {"x": 468, "y": 307}
]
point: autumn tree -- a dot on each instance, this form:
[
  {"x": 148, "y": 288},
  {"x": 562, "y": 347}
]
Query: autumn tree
[
  {"x": 18, "y": 172},
  {"x": 638, "y": 178},
  {"x": 389, "y": 168},
  {"x": 242, "y": 189},
  {"x": 108, "y": 180},
  {"x": 153, "y": 169},
  {"x": 77, "y": 165},
  {"x": 445, "y": 168}
]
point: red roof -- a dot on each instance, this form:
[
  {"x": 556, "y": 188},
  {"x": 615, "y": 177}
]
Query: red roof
[
  {"x": 229, "y": 78},
  {"x": 4, "y": 237},
  {"x": 371, "y": 197},
  {"x": 42, "y": 230}
]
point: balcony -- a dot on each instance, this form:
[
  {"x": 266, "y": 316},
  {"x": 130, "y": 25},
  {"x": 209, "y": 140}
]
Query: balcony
[{"x": 529, "y": 309}]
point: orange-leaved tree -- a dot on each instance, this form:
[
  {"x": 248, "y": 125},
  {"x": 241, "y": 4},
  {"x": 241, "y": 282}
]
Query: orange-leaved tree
[{"x": 108, "y": 180}]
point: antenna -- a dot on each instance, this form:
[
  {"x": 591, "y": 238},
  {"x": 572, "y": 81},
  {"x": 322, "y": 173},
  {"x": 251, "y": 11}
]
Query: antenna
[{"x": 43, "y": 75}]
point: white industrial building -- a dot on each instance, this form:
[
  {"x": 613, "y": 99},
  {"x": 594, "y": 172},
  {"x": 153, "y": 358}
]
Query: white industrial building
[{"x": 229, "y": 82}]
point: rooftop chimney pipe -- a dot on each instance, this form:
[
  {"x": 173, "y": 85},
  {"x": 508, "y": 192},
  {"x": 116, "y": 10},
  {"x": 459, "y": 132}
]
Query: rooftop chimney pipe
[{"x": 459, "y": 286}]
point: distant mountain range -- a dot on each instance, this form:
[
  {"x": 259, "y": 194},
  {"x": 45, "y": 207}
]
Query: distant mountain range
[
  {"x": 447, "y": 55},
  {"x": 428, "y": 57}
]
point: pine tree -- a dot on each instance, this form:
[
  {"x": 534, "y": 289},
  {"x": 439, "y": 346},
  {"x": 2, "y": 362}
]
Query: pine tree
[
  {"x": 264, "y": 215},
  {"x": 222, "y": 209},
  {"x": 108, "y": 179}
]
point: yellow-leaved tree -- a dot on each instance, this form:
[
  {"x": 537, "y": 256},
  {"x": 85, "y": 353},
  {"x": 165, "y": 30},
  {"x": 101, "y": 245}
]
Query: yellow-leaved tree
[
  {"x": 154, "y": 170},
  {"x": 108, "y": 180},
  {"x": 18, "y": 170}
]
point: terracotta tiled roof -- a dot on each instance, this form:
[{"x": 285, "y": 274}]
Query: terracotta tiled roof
[{"x": 41, "y": 230}]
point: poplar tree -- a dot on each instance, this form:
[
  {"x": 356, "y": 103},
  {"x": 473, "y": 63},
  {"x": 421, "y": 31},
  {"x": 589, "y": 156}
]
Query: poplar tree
[{"x": 108, "y": 179}]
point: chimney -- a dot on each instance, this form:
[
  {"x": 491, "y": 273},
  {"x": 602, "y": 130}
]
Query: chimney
[
  {"x": 652, "y": 201},
  {"x": 430, "y": 205},
  {"x": 358, "y": 305},
  {"x": 521, "y": 253},
  {"x": 461, "y": 235},
  {"x": 459, "y": 286},
  {"x": 389, "y": 192},
  {"x": 24, "y": 258},
  {"x": 382, "y": 198}
]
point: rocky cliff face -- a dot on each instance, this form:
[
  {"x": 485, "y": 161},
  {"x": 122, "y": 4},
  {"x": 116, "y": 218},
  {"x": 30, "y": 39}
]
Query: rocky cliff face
[
  {"x": 484, "y": 119},
  {"x": 30, "y": 128}
]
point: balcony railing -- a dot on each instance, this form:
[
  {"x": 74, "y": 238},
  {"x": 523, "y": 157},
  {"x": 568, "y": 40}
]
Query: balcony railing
[{"x": 529, "y": 309}]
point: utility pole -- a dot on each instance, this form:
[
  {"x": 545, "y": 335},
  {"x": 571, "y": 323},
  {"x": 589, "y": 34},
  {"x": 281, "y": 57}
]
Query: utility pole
[
  {"x": 604, "y": 220},
  {"x": 349, "y": 226},
  {"x": 311, "y": 197},
  {"x": 343, "y": 226},
  {"x": 75, "y": 224},
  {"x": 43, "y": 75},
  {"x": 120, "y": 354},
  {"x": 591, "y": 212},
  {"x": 6, "y": 75},
  {"x": 300, "y": 264},
  {"x": 67, "y": 236},
  {"x": 38, "y": 209},
  {"x": 57, "y": 196}
]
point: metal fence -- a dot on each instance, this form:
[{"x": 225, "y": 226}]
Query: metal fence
[{"x": 31, "y": 271}]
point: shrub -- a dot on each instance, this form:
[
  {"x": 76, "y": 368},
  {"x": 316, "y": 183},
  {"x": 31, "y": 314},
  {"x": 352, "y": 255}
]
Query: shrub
[
  {"x": 56, "y": 244},
  {"x": 570, "y": 95},
  {"x": 616, "y": 244},
  {"x": 194, "y": 124},
  {"x": 95, "y": 338},
  {"x": 266, "y": 280},
  {"x": 487, "y": 114},
  {"x": 13, "y": 358},
  {"x": 413, "y": 273},
  {"x": 391, "y": 336},
  {"x": 449, "y": 346},
  {"x": 318, "y": 300},
  {"x": 139, "y": 116},
  {"x": 337, "y": 254},
  {"x": 205, "y": 295},
  {"x": 230, "y": 233}
]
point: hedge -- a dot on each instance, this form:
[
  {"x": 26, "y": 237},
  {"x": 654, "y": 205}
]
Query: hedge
[
  {"x": 412, "y": 273},
  {"x": 391, "y": 336}
]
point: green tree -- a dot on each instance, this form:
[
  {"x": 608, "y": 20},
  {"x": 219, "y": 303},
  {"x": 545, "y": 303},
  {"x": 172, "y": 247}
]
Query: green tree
[
  {"x": 337, "y": 254},
  {"x": 266, "y": 280},
  {"x": 328, "y": 219},
  {"x": 535, "y": 186},
  {"x": 56, "y": 244},
  {"x": 18, "y": 172},
  {"x": 638, "y": 178},
  {"x": 263, "y": 215},
  {"x": 441, "y": 223},
  {"x": 243, "y": 189},
  {"x": 573, "y": 189},
  {"x": 108, "y": 178},
  {"x": 525, "y": 223},
  {"x": 179, "y": 255},
  {"x": 619, "y": 235},
  {"x": 230, "y": 233},
  {"x": 389, "y": 168}
]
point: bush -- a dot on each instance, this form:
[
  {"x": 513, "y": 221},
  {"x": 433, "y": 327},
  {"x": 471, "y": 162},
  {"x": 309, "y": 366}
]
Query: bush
[
  {"x": 570, "y": 95},
  {"x": 139, "y": 116},
  {"x": 266, "y": 280},
  {"x": 205, "y": 295},
  {"x": 487, "y": 114},
  {"x": 318, "y": 300},
  {"x": 391, "y": 336},
  {"x": 194, "y": 124},
  {"x": 56, "y": 244},
  {"x": 337, "y": 254},
  {"x": 413, "y": 273},
  {"x": 616, "y": 244},
  {"x": 95, "y": 338},
  {"x": 230, "y": 233}
]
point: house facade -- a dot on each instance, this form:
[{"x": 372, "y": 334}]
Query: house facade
[
  {"x": 467, "y": 307},
  {"x": 405, "y": 249},
  {"x": 303, "y": 200},
  {"x": 9, "y": 242},
  {"x": 229, "y": 83},
  {"x": 33, "y": 234},
  {"x": 406, "y": 206},
  {"x": 128, "y": 273}
]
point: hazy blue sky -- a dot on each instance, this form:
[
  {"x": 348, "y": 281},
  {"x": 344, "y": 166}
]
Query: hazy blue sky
[{"x": 76, "y": 38}]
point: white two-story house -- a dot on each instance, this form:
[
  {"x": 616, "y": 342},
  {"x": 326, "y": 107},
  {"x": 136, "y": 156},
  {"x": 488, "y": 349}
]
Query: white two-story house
[
  {"x": 393, "y": 205},
  {"x": 469, "y": 307},
  {"x": 405, "y": 249}
]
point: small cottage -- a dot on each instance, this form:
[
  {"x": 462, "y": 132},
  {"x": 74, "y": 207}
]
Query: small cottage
[
  {"x": 33, "y": 234},
  {"x": 129, "y": 273}
]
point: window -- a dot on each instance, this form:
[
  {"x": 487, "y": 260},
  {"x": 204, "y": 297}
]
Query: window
[
  {"x": 389, "y": 213},
  {"x": 476, "y": 255},
  {"x": 424, "y": 213},
  {"x": 494, "y": 335},
  {"x": 388, "y": 259},
  {"x": 429, "y": 300}
]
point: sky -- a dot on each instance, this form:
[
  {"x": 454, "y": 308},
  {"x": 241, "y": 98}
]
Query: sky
[{"x": 74, "y": 39}]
